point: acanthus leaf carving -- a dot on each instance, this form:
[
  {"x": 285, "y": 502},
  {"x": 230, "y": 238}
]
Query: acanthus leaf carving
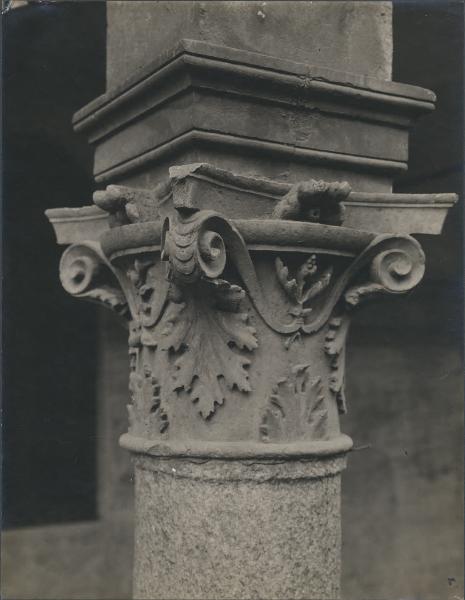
[
  {"x": 146, "y": 289},
  {"x": 148, "y": 403},
  {"x": 200, "y": 323},
  {"x": 142, "y": 290},
  {"x": 296, "y": 408},
  {"x": 208, "y": 337},
  {"x": 145, "y": 396},
  {"x": 335, "y": 347}
]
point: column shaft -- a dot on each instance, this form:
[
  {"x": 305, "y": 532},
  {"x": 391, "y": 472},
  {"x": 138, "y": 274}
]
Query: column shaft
[{"x": 237, "y": 529}]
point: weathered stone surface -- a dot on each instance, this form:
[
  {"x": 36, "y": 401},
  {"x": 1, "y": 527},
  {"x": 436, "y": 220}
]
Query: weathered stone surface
[
  {"x": 238, "y": 290},
  {"x": 76, "y": 223},
  {"x": 348, "y": 36},
  {"x": 190, "y": 187},
  {"x": 237, "y": 332},
  {"x": 201, "y": 100},
  {"x": 215, "y": 529},
  {"x": 196, "y": 336}
]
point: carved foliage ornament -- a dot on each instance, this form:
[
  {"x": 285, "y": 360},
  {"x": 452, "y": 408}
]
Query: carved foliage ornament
[
  {"x": 207, "y": 334},
  {"x": 305, "y": 286},
  {"x": 335, "y": 345},
  {"x": 146, "y": 397},
  {"x": 197, "y": 246},
  {"x": 296, "y": 409},
  {"x": 195, "y": 316}
]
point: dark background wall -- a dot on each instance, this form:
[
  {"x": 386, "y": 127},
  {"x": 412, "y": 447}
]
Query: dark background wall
[
  {"x": 54, "y": 62},
  {"x": 403, "y": 491},
  {"x": 402, "y": 502}
]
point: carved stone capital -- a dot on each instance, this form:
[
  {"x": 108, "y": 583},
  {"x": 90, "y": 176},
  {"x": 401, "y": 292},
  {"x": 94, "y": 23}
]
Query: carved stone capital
[{"x": 238, "y": 324}]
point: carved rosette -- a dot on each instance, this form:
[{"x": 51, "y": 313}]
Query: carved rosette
[{"x": 237, "y": 328}]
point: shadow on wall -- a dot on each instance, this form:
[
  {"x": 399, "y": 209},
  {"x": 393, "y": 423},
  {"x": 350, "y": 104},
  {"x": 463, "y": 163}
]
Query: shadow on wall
[
  {"x": 50, "y": 70},
  {"x": 403, "y": 493}
]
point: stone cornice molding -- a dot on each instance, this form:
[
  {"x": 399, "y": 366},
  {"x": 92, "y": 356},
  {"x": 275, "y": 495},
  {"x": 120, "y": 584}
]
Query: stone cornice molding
[
  {"x": 191, "y": 89},
  {"x": 250, "y": 65},
  {"x": 254, "y": 198},
  {"x": 197, "y": 137}
]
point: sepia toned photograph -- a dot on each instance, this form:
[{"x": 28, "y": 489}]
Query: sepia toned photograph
[{"x": 232, "y": 292}]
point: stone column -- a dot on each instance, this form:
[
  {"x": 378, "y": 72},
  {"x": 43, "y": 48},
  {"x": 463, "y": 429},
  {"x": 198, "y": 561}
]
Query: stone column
[{"x": 247, "y": 213}]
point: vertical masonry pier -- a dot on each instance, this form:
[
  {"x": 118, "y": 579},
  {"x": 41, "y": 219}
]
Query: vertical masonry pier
[{"x": 244, "y": 159}]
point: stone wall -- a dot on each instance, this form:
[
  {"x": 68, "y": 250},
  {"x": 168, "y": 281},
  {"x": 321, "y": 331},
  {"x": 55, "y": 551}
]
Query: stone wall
[{"x": 347, "y": 36}]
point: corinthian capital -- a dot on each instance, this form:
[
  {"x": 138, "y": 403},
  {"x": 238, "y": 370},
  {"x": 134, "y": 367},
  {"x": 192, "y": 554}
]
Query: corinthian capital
[{"x": 239, "y": 292}]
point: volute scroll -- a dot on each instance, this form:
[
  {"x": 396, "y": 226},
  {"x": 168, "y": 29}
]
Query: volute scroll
[{"x": 86, "y": 273}]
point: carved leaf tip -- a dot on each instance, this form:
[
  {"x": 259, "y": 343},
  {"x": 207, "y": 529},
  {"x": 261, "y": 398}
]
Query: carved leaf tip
[
  {"x": 228, "y": 296},
  {"x": 208, "y": 345},
  {"x": 335, "y": 340},
  {"x": 319, "y": 285},
  {"x": 306, "y": 286},
  {"x": 289, "y": 285},
  {"x": 296, "y": 408}
]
